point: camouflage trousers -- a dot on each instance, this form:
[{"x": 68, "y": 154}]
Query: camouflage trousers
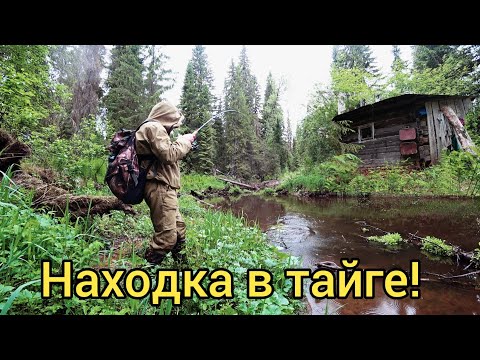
[{"x": 167, "y": 221}]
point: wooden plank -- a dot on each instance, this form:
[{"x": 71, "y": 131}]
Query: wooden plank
[
  {"x": 431, "y": 132},
  {"x": 386, "y": 119},
  {"x": 381, "y": 155},
  {"x": 445, "y": 125},
  {"x": 380, "y": 144},
  {"x": 467, "y": 105},
  {"x": 459, "y": 108},
  {"x": 404, "y": 122},
  {"x": 392, "y": 121},
  {"x": 391, "y": 138},
  {"x": 392, "y": 149},
  {"x": 393, "y": 129},
  {"x": 441, "y": 133},
  {"x": 437, "y": 117}
]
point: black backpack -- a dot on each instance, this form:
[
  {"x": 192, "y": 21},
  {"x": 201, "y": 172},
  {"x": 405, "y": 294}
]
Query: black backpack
[{"x": 125, "y": 178}]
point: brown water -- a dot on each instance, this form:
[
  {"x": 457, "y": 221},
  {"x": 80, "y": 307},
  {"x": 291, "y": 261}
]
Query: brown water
[{"x": 320, "y": 230}]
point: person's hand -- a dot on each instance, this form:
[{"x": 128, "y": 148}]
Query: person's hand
[{"x": 190, "y": 137}]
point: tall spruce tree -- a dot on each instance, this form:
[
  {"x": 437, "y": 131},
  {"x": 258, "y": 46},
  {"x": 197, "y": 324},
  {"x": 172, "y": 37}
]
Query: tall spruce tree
[
  {"x": 240, "y": 146},
  {"x": 273, "y": 130},
  {"x": 251, "y": 89},
  {"x": 157, "y": 77},
  {"x": 399, "y": 81},
  {"x": 396, "y": 53},
  {"x": 268, "y": 109},
  {"x": 430, "y": 56},
  {"x": 354, "y": 57},
  {"x": 219, "y": 159},
  {"x": 444, "y": 69},
  {"x": 63, "y": 69},
  {"x": 289, "y": 134},
  {"x": 354, "y": 75},
  {"x": 86, "y": 89},
  {"x": 125, "y": 98},
  {"x": 63, "y": 61},
  {"x": 196, "y": 103},
  {"x": 78, "y": 68},
  {"x": 289, "y": 143}
]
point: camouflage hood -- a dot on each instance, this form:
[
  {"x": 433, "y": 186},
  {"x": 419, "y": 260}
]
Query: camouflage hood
[{"x": 167, "y": 114}]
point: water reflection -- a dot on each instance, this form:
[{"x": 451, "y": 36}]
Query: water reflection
[{"x": 331, "y": 230}]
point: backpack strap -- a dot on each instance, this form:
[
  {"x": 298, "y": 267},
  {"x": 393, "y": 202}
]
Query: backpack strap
[
  {"x": 150, "y": 157},
  {"x": 143, "y": 122}
]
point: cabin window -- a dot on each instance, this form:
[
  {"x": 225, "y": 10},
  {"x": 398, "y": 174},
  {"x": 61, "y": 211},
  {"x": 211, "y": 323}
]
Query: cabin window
[{"x": 366, "y": 132}]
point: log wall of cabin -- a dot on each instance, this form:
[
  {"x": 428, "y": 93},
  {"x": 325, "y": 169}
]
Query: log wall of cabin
[{"x": 385, "y": 147}]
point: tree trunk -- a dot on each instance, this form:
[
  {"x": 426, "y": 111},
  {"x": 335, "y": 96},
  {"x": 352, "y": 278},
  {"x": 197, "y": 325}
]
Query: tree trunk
[
  {"x": 465, "y": 140},
  {"x": 250, "y": 187},
  {"x": 58, "y": 200}
]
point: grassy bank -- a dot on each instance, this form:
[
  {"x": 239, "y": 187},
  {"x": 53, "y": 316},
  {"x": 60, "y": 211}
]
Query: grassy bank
[
  {"x": 216, "y": 240},
  {"x": 458, "y": 174}
]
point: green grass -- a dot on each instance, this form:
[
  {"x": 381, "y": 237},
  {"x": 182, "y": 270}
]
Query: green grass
[
  {"x": 457, "y": 174},
  {"x": 437, "y": 246},
  {"x": 199, "y": 182},
  {"x": 215, "y": 240},
  {"x": 387, "y": 239}
]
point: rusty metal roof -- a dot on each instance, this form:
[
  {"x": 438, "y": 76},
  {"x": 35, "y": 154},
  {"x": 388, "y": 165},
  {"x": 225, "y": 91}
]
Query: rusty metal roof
[{"x": 392, "y": 104}]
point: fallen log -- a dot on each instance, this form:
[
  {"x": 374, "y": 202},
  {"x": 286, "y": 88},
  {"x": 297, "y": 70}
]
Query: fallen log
[
  {"x": 45, "y": 194},
  {"x": 328, "y": 265},
  {"x": 199, "y": 197},
  {"x": 246, "y": 186},
  {"x": 58, "y": 200},
  {"x": 460, "y": 255},
  {"x": 254, "y": 187},
  {"x": 196, "y": 195},
  {"x": 268, "y": 184},
  {"x": 11, "y": 151},
  {"x": 205, "y": 203},
  {"x": 462, "y": 135}
]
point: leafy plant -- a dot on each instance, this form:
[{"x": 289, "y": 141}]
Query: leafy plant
[
  {"x": 6, "y": 306},
  {"x": 268, "y": 191},
  {"x": 437, "y": 246},
  {"x": 387, "y": 239},
  {"x": 476, "y": 254}
]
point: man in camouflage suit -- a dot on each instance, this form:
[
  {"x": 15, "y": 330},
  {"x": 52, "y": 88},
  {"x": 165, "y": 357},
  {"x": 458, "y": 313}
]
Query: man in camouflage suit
[{"x": 163, "y": 180}]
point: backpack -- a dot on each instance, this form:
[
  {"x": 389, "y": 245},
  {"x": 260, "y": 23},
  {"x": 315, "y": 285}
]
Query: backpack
[{"x": 124, "y": 176}]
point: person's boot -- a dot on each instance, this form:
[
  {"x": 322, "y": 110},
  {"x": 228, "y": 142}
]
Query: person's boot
[
  {"x": 177, "y": 254},
  {"x": 153, "y": 257}
]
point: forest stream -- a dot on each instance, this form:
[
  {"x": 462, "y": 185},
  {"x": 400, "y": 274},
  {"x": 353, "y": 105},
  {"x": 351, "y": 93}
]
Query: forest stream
[{"x": 320, "y": 230}]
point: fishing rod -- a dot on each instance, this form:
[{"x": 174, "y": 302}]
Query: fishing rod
[
  {"x": 195, "y": 142},
  {"x": 212, "y": 118}
]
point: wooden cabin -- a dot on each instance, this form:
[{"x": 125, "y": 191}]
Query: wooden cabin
[{"x": 406, "y": 127}]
